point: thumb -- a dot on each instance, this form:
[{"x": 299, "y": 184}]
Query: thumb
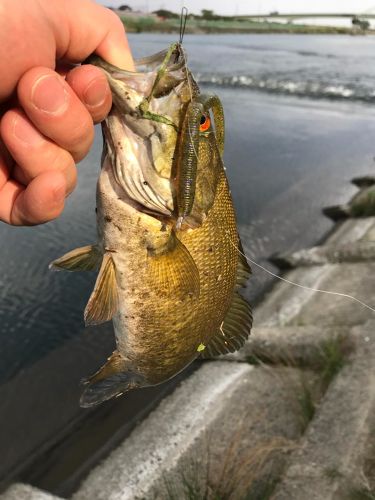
[
  {"x": 114, "y": 47},
  {"x": 89, "y": 28}
]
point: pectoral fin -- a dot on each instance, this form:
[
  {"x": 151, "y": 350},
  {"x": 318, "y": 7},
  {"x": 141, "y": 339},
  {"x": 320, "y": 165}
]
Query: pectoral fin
[
  {"x": 173, "y": 270},
  {"x": 111, "y": 380},
  {"x": 81, "y": 259},
  {"x": 234, "y": 330},
  {"x": 103, "y": 302}
]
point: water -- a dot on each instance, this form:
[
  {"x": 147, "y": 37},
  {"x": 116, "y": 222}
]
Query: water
[
  {"x": 300, "y": 124},
  {"x": 318, "y": 66}
]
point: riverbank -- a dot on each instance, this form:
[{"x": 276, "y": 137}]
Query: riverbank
[
  {"x": 290, "y": 415},
  {"x": 286, "y": 157},
  {"x": 294, "y": 156},
  {"x": 151, "y": 24}
]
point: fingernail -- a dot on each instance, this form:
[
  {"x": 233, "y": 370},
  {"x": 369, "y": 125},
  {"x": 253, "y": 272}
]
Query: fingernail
[
  {"x": 49, "y": 95},
  {"x": 96, "y": 93},
  {"x": 26, "y": 133}
]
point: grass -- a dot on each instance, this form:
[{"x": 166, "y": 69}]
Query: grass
[
  {"x": 366, "y": 488},
  {"x": 245, "y": 479},
  {"x": 365, "y": 206},
  {"x": 238, "y": 473},
  {"x": 307, "y": 404},
  {"x": 332, "y": 359},
  {"x": 332, "y": 474},
  {"x": 230, "y": 25},
  {"x": 139, "y": 24},
  {"x": 361, "y": 494},
  {"x": 329, "y": 360}
]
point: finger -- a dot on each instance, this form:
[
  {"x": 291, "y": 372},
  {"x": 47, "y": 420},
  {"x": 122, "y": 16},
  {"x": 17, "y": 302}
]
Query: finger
[
  {"x": 33, "y": 153},
  {"x": 41, "y": 201},
  {"x": 114, "y": 47},
  {"x": 55, "y": 110},
  {"x": 92, "y": 27},
  {"x": 91, "y": 86},
  {"x": 58, "y": 30},
  {"x": 6, "y": 163}
]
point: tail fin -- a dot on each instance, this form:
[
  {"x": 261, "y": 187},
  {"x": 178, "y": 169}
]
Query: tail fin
[{"x": 111, "y": 380}]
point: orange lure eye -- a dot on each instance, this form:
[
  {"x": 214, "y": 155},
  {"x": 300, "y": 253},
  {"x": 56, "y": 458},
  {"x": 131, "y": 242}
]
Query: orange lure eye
[{"x": 205, "y": 123}]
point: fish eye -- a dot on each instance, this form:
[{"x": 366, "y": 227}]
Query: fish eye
[{"x": 205, "y": 123}]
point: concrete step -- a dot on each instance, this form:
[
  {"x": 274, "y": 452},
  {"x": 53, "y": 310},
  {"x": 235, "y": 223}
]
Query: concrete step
[
  {"x": 329, "y": 463},
  {"x": 362, "y": 205},
  {"x": 20, "y": 491},
  {"x": 228, "y": 428},
  {"x": 303, "y": 346},
  {"x": 359, "y": 251},
  {"x": 288, "y": 304},
  {"x": 352, "y": 230},
  {"x": 352, "y": 241},
  {"x": 324, "y": 309}
]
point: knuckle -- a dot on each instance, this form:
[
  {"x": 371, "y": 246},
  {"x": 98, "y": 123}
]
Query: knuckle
[{"x": 80, "y": 137}]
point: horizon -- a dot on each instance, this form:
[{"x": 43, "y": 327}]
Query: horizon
[{"x": 243, "y": 7}]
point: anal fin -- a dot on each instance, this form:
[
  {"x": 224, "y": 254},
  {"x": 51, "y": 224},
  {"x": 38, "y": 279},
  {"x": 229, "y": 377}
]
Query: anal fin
[
  {"x": 103, "y": 302},
  {"x": 234, "y": 330},
  {"x": 85, "y": 258},
  {"x": 173, "y": 270},
  {"x": 111, "y": 380}
]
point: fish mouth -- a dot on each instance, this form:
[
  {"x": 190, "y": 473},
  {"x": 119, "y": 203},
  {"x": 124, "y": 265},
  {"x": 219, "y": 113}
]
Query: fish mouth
[{"x": 141, "y": 131}]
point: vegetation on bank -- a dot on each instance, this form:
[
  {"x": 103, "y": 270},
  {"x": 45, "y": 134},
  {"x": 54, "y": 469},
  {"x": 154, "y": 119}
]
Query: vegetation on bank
[{"x": 140, "y": 24}]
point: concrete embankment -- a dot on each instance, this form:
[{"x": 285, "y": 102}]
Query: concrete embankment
[{"x": 290, "y": 416}]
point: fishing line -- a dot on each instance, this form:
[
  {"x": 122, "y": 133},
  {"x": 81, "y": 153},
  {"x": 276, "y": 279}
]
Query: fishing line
[
  {"x": 304, "y": 287},
  {"x": 285, "y": 280},
  {"x": 183, "y": 19}
]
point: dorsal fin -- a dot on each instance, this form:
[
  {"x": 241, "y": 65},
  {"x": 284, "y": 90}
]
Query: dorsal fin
[
  {"x": 103, "y": 301},
  {"x": 234, "y": 330}
]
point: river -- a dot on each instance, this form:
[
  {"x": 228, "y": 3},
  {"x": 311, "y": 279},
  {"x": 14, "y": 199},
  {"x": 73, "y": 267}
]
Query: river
[{"x": 300, "y": 123}]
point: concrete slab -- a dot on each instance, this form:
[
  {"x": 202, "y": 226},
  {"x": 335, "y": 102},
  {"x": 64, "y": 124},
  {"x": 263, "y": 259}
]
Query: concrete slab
[
  {"x": 327, "y": 465},
  {"x": 25, "y": 492},
  {"x": 352, "y": 241},
  {"x": 328, "y": 310},
  {"x": 360, "y": 251},
  {"x": 292, "y": 345},
  {"x": 224, "y": 412},
  {"x": 286, "y": 301},
  {"x": 351, "y": 231},
  {"x": 158, "y": 442}
]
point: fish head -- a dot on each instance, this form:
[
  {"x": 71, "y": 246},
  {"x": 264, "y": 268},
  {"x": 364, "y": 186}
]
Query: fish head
[{"x": 142, "y": 128}]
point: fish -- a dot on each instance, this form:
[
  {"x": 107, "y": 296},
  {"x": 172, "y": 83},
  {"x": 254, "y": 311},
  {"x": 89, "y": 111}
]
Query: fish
[{"x": 170, "y": 260}]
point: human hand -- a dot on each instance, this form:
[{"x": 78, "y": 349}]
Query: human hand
[{"x": 47, "y": 109}]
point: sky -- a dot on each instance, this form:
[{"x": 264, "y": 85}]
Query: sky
[{"x": 233, "y": 7}]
